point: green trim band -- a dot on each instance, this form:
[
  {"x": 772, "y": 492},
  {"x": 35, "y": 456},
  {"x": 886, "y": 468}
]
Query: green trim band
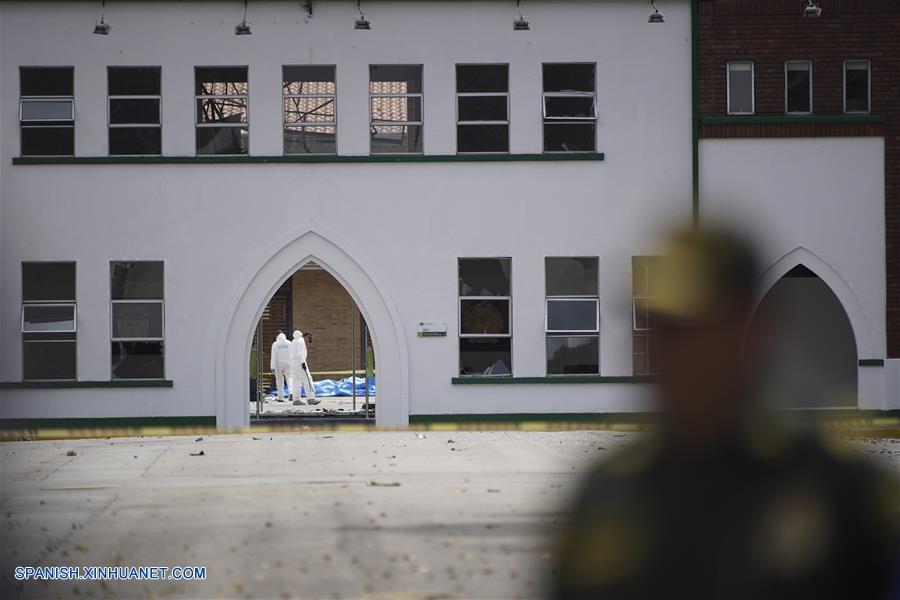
[
  {"x": 315, "y": 159},
  {"x": 871, "y": 362},
  {"x": 108, "y": 422},
  {"x": 117, "y": 383},
  {"x": 793, "y": 120},
  {"x": 478, "y": 380}
]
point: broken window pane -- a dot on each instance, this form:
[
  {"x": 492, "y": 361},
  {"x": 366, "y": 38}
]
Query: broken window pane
[
  {"x": 308, "y": 80},
  {"x": 222, "y": 140},
  {"x": 572, "y": 315},
  {"x": 571, "y": 275},
  {"x": 396, "y": 109},
  {"x": 137, "y": 360},
  {"x": 392, "y": 139},
  {"x": 570, "y": 111},
  {"x": 48, "y": 282},
  {"x": 309, "y": 140},
  {"x": 740, "y": 88},
  {"x": 798, "y": 82},
  {"x": 484, "y": 277},
  {"x": 573, "y": 355},
  {"x": 395, "y": 79},
  {"x": 48, "y": 360},
  {"x": 221, "y": 81},
  {"x": 134, "y": 81},
  {"x": 569, "y": 107},
  {"x": 230, "y": 110},
  {"x": 484, "y": 316},
  {"x": 318, "y": 109},
  {"x": 46, "y": 81},
  {"x": 856, "y": 86},
  {"x": 485, "y": 356}
]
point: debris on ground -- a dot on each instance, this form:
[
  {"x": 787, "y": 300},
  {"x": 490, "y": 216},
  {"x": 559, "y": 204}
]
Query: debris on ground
[
  {"x": 451, "y": 441},
  {"x": 374, "y": 483},
  {"x": 421, "y": 436},
  {"x": 201, "y": 453},
  {"x": 71, "y": 453},
  {"x": 199, "y": 439}
]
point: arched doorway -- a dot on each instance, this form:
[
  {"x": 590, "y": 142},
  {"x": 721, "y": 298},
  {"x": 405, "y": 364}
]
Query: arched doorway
[
  {"x": 809, "y": 348},
  {"x": 258, "y": 286}
]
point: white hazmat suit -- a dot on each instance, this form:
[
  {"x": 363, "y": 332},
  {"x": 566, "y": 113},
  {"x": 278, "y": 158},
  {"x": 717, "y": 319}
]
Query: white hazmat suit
[
  {"x": 300, "y": 372},
  {"x": 281, "y": 363}
]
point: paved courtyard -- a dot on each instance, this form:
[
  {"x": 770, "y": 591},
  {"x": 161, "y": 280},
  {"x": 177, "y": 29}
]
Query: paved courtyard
[{"x": 345, "y": 515}]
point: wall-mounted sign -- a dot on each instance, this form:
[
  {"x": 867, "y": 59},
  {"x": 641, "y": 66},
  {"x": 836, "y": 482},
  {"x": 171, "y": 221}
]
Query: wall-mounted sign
[{"x": 427, "y": 329}]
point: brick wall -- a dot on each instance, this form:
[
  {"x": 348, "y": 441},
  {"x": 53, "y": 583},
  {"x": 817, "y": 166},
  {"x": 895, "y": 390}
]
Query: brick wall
[
  {"x": 322, "y": 305},
  {"x": 770, "y": 32}
]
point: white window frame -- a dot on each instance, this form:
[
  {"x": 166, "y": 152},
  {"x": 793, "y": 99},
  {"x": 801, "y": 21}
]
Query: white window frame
[
  {"x": 556, "y": 121},
  {"x": 74, "y": 332},
  {"x": 198, "y": 97},
  {"x": 752, "y": 69},
  {"x": 419, "y": 95},
  {"x": 110, "y": 98},
  {"x": 508, "y": 298},
  {"x": 634, "y": 302},
  {"x": 551, "y": 95},
  {"x": 483, "y": 95},
  {"x": 575, "y": 332},
  {"x": 23, "y": 124},
  {"x": 787, "y": 67},
  {"x": 332, "y": 123},
  {"x": 70, "y": 100},
  {"x": 27, "y": 305},
  {"x": 868, "y": 64},
  {"x": 112, "y": 328}
]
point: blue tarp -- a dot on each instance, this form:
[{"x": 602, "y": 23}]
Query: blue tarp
[{"x": 329, "y": 388}]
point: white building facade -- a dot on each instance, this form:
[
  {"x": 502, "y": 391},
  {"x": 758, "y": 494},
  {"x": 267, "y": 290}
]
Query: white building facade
[{"x": 395, "y": 201}]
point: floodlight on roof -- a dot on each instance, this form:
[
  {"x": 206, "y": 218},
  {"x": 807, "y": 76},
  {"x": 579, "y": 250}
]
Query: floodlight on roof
[
  {"x": 101, "y": 27},
  {"x": 656, "y": 16},
  {"x": 520, "y": 24},
  {"x": 307, "y": 6},
  {"x": 362, "y": 23},
  {"x": 811, "y": 10},
  {"x": 243, "y": 28}
]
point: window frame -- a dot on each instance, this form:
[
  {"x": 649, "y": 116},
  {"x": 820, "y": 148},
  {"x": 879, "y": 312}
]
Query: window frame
[
  {"x": 568, "y": 333},
  {"x": 158, "y": 98},
  {"x": 113, "y": 302},
  {"x": 868, "y": 64},
  {"x": 507, "y": 298},
  {"x": 561, "y": 121},
  {"x": 574, "y": 332},
  {"x": 787, "y": 65},
  {"x": 30, "y": 304},
  {"x": 481, "y": 95},
  {"x": 198, "y": 97},
  {"x": 420, "y": 95},
  {"x": 285, "y": 124},
  {"x": 48, "y": 98},
  {"x": 645, "y": 332},
  {"x": 728, "y": 65},
  {"x": 74, "y": 334}
]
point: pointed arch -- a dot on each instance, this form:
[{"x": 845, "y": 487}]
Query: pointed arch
[
  {"x": 258, "y": 285},
  {"x": 800, "y": 256}
]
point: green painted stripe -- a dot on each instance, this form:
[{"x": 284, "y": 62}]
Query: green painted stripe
[
  {"x": 239, "y": 160},
  {"x": 555, "y": 379},
  {"x": 644, "y": 417},
  {"x": 108, "y": 422},
  {"x": 116, "y": 383},
  {"x": 789, "y": 119},
  {"x": 871, "y": 362}
]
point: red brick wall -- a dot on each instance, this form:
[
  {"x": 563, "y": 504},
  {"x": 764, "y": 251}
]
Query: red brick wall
[
  {"x": 770, "y": 32},
  {"x": 322, "y": 305}
]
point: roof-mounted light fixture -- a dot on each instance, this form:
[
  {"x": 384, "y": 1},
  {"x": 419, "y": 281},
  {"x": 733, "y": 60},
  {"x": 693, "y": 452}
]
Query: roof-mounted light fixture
[
  {"x": 243, "y": 28},
  {"x": 101, "y": 27},
  {"x": 362, "y": 23},
  {"x": 307, "y": 6},
  {"x": 520, "y": 24},
  {"x": 655, "y": 16},
  {"x": 811, "y": 10}
]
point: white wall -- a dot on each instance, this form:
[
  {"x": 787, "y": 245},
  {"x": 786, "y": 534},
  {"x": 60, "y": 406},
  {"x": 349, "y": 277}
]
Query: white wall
[
  {"x": 819, "y": 201},
  {"x": 214, "y": 224}
]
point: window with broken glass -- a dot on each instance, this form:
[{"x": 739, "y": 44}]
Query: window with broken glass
[
  {"x": 395, "y": 109},
  {"x": 47, "y": 111},
  {"x": 310, "y": 123},
  {"x": 570, "y": 107},
  {"x": 482, "y": 108},
  {"x": 49, "y": 343},
  {"x": 222, "y": 101},
  {"x": 572, "y": 315},
  {"x": 137, "y": 320},
  {"x": 134, "y": 111},
  {"x": 485, "y": 330}
]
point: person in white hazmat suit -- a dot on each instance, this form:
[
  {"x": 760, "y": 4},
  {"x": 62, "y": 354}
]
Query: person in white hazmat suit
[
  {"x": 281, "y": 363},
  {"x": 300, "y": 370}
]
